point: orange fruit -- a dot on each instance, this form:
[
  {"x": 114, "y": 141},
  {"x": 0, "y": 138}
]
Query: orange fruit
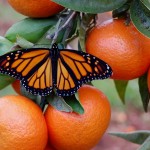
[
  {"x": 72, "y": 131},
  {"x": 22, "y": 124},
  {"x": 36, "y": 8},
  {"x": 146, "y": 46},
  {"x": 49, "y": 147},
  {"x": 16, "y": 86},
  {"x": 120, "y": 46}
]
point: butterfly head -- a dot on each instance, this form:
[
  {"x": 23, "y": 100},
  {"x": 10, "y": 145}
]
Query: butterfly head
[{"x": 54, "y": 46}]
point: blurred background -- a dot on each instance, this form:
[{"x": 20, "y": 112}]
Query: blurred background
[{"x": 125, "y": 118}]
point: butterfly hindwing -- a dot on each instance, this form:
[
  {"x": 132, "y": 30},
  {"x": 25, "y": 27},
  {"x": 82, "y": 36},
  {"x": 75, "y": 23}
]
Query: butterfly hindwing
[
  {"x": 76, "y": 68},
  {"x": 66, "y": 81},
  {"x": 32, "y": 67}
]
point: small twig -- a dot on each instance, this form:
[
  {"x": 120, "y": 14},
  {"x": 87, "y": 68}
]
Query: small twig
[
  {"x": 63, "y": 26},
  {"x": 67, "y": 32}
]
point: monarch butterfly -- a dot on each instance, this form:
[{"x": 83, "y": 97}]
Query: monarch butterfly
[{"x": 42, "y": 69}]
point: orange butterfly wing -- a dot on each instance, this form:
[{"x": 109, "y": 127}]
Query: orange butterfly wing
[
  {"x": 75, "y": 68},
  {"x": 42, "y": 69},
  {"x": 33, "y": 67}
]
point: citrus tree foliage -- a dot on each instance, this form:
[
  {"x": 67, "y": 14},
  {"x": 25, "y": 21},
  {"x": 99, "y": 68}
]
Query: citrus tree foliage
[{"x": 75, "y": 21}]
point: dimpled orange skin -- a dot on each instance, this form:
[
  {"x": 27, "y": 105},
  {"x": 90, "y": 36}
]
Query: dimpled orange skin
[
  {"x": 121, "y": 47},
  {"x": 22, "y": 124},
  {"x": 72, "y": 131},
  {"x": 36, "y": 8}
]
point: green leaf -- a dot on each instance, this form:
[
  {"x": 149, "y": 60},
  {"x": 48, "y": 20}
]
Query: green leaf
[
  {"x": 82, "y": 35},
  {"x": 65, "y": 29},
  {"x": 144, "y": 92},
  {"x": 92, "y": 6},
  {"x": 5, "y": 45},
  {"x": 74, "y": 103},
  {"x": 30, "y": 29},
  {"x": 27, "y": 94},
  {"x": 83, "y": 27},
  {"x": 59, "y": 103},
  {"x": 121, "y": 11},
  {"x": 137, "y": 137},
  {"x": 140, "y": 17},
  {"x": 47, "y": 38},
  {"x": 23, "y": 42},
  {"x": 5, "y": 80},
  {"x": 145, "y": 145},
  {"x": 73, "y": 33},
  {"x": 70, "y": 30},
  {"x": 146, "y": 3},
  {"x": 121, "y": 88}
]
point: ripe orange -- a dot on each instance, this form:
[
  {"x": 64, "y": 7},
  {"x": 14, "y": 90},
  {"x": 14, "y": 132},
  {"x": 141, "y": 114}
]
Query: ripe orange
[
  {"x": 120, "y": 46},
  {"x": 71, "y": 131},
  {"x": 36, "y": 8},
  {"x": 146, "y": 46},
  {"x": 22, "y": 124},
  {"x": 16, "y": 86},
  {"x": 49, "y": 147}
]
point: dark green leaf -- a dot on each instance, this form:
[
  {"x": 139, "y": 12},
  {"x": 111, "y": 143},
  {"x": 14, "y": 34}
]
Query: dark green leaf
[
  {"x": 30, "y": 29},
  {"x": 121, "y": 88},
  {"x": 145, "y": 145},
  {"x": 59, "y": 103},
  {"x": 75, "y": 104},
  {"x": 27, "y": 94},
  {"x": 121, "y": 12},
  {"x": 143, "y": 88},
  {"x": 137, "y": 137},
  {"x": 83, "y": 26},
  {"x": 5, "y": 80},
  {"x": 5, "y": 45},
  {"x": 146, "y": 3},
  {"x": 71, "y": 30},
  {"x": 82, "y": 35},
  {"x": 92, "y": 6},
  {"x": 140, "y": 17}
]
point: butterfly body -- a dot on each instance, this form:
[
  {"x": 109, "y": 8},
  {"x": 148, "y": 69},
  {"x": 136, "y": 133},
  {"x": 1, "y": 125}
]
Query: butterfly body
[{"x": 42, "y": 69}]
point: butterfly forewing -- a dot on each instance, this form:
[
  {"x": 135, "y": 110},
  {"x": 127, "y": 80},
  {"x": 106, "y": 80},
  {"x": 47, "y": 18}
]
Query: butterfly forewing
[
  {"x": 41, "y": 80},
  {"x": 75, "y": 68},
  {"x": 32, "y": 67}
]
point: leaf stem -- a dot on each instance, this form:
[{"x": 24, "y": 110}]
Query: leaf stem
[{"x": 66, "y": 22}]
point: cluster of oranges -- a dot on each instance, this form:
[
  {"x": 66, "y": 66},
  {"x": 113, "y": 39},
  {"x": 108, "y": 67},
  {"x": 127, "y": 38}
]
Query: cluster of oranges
[
  {"x": 24, "y": 126},
  {"x": 22, "y": 123}
]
